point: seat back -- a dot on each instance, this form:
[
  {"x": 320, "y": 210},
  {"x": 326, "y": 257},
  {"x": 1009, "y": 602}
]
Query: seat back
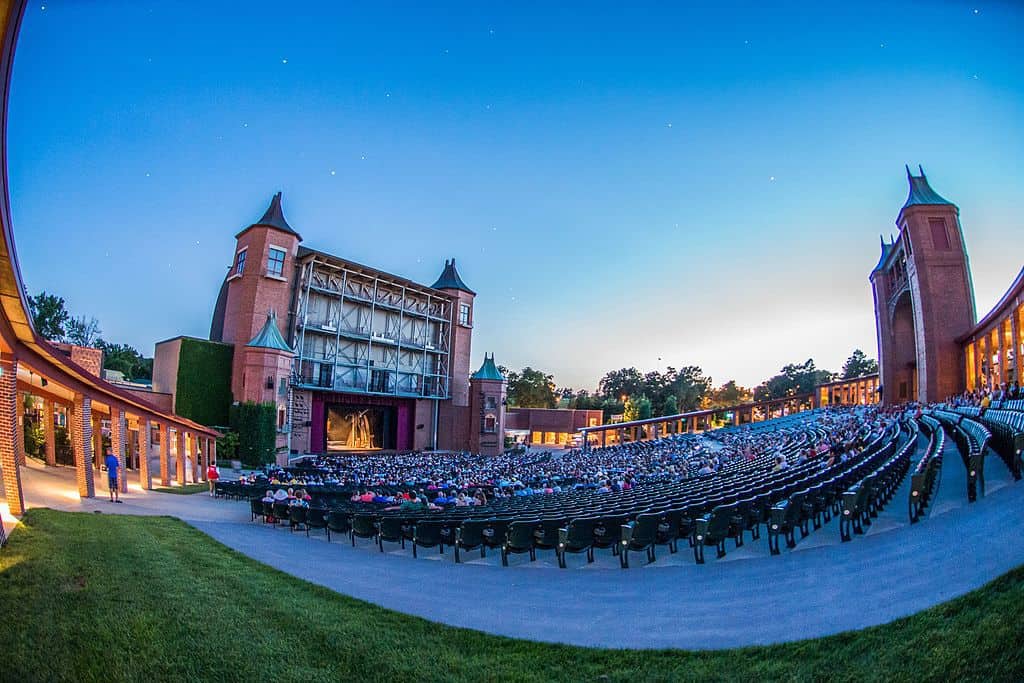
[
  {"x": 316, "y": 518},
  {"x": 520, "y": 534},
  {"x": 427, "y": 532},
  {"x": 338, "y": 521},
  {"x": 363, "y": 526}
]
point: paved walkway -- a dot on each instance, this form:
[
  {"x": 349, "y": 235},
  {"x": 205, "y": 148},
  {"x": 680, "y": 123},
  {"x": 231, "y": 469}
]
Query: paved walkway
[{"x": 820, "y": 588}]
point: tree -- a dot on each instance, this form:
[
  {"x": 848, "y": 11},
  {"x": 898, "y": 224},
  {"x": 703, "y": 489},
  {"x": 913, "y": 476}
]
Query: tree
[
  {"x": 793, "y": 380},
  {"x": 530, "y": 388},
  {"x": 729, "y": 394},
  {"x": 49, "y": 316},
  {"x": 83, "y": 331},
  {"x": 858, "y": 365},
  {"x": 636, "y": 408},
  {"x": 619, "y": 383},
  {"x": 670, "y": 406},
  {"x": 126, "y": 359}
]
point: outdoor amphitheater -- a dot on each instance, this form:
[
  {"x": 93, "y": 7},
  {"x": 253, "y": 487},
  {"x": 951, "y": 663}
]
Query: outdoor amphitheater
[{"x": 399, "y": 516}]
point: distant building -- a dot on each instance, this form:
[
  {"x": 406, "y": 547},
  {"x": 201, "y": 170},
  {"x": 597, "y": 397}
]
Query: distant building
[{"x": 549, "y": 426}]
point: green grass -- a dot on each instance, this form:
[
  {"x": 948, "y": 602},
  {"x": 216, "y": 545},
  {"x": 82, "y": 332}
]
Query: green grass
[
  {"x": 187, "y": 489},
  {"x": 86, "y": 597}
]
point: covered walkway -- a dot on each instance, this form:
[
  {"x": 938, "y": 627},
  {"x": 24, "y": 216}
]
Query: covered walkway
[{"x": 31, "y": 365}]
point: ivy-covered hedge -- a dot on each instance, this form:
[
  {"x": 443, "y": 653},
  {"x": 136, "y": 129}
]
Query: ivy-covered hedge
[
  {"x": 204, "y": 381},
  {"x": 256, "y": 425}
]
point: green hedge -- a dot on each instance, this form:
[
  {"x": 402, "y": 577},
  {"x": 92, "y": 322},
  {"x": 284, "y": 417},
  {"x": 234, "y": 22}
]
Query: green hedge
[
  {"x": 204, "y": 381},
  {"x": 256, "y": 424}
]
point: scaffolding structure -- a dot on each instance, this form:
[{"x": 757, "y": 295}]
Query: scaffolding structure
[{"x": 359, "y": 330}]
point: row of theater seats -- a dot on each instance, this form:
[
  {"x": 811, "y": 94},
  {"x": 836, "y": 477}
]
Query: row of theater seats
[
  {"x": 1007, "y": 431},
  {"x": 927, "y": 474},
  {"x": 704, "y": 512}
]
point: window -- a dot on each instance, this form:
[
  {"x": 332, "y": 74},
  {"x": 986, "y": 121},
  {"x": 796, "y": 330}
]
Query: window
[
  {"x": 240, "y": 262},
  {"x": 280, "y": 417},
  {"x": 282, "y": 389},
  {"x": 490, "y": 403},
  {"x": 275, "y": 262},
  {"x": 940, "y": 237},
  {"x": 490, "y": 424},
  {"x": 464, "y": 314}
]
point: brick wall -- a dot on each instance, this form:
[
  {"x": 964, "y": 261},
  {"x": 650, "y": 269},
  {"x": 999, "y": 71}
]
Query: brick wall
[{"x": 9, "y": 445}]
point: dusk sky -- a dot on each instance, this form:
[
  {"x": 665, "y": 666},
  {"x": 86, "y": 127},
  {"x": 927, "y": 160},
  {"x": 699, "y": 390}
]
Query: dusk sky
[{"x": 703, "y": 183}]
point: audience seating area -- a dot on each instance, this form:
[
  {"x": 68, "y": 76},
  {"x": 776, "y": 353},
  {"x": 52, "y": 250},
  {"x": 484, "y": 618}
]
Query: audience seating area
[{"x": 704, "y": 511}]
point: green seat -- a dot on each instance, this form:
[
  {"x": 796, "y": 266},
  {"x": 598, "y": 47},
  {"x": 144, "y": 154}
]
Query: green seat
[
  {"x": 520, "y": 539},
  {"x": 363, "y": 526},
  {"x": 577, "y": 537},
  {"x": 640, "y": 536},
  {"x": 470, "y": 535},
  {"x": 339, "y": 522},
  {"x": 390, "y": 529},
  {"x": 427, "y": 534}
]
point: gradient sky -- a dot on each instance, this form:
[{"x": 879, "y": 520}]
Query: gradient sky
[{"x": 703, "y": 183}]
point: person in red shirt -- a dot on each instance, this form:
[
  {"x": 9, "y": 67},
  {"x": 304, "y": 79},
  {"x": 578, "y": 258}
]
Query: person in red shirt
[{"x": 212, "y": 475}]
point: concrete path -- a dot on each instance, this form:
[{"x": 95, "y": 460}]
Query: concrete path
[{"x": 749, "y": 597}]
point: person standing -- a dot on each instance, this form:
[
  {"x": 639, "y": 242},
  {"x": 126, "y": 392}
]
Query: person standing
[
  {"x": 113, "y": 469},
  {"x": 212, "y": 475}
]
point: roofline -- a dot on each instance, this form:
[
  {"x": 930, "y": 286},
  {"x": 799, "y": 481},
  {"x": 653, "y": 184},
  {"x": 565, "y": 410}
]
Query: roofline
[
  {"x": 189, "y": 336},
  {"x": 305, "y": 252},
  {"x": 1016, "y": 290}
]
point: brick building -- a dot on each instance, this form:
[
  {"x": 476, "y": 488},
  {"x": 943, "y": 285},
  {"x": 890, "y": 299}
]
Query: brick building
[
  {"x": 929, "y": 345},
  {"x": 356, "y": 359}
]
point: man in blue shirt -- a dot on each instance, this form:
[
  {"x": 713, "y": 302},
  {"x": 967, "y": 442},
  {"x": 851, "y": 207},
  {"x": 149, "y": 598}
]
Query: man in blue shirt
[{"x": 113, "y": 467}]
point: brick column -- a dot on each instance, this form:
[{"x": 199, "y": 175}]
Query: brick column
[
  {"x": 202, "y": 458},
  {"x": 145, "y": 478},
  {"x": 20, "y": 426},
  {"x": 197, "y": 456},
  {"x": 118, "y": 441},
  {"x": 165, "y": 455},
  {"x": 81, "y": 442},
  {"x": 9, "y": 445},
  {"x": 97, "y": 441},
  {"x": 1015, "y": 333},
  {"x": 49, "y": 413},
  {"x": 213, "y": 451},
  {"x": 179, "y": 459}
]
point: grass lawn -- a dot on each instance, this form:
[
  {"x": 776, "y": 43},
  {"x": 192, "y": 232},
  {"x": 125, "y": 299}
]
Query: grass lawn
[
  {"x": 187, "y": 489},
  {"x": 87, "y": 597}
]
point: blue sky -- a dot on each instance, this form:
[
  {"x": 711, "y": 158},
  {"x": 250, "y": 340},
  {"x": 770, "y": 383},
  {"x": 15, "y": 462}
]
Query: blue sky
[{"x": 702, "y": 183}]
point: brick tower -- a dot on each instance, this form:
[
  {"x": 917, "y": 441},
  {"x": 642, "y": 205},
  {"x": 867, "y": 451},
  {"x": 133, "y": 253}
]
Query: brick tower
[
  {"x": 455, "y": 413},
  {"x": 924, "y": 299},
  {"x": 487, "y": 409},
  {"x": 259, "y": 282}
]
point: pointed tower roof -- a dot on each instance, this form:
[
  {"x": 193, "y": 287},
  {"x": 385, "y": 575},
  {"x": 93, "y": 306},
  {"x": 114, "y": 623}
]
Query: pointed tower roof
[
  {"x": 270, "y": 337},
  {"x": 450, "y": 279},
  {"x": 886, "y": 248},
  {"x": 274, "y": 217},
  {"x": 488, "y": 370},
  {"x": 921, "y": 193}
]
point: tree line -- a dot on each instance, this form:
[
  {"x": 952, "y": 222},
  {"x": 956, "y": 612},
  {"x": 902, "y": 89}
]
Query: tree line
[
  {"x": 637, "y": 396},
  {"x": 54, "y": 322}
]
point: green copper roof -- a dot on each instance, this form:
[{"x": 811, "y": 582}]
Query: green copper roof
[
  {"x": 489, "y": 370},
  {"x": 450, "y": 279},
  {"x": 886, "y": 248},
  {"x": 921, "y": 193},
  {"x": 270, "y": 337}
]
